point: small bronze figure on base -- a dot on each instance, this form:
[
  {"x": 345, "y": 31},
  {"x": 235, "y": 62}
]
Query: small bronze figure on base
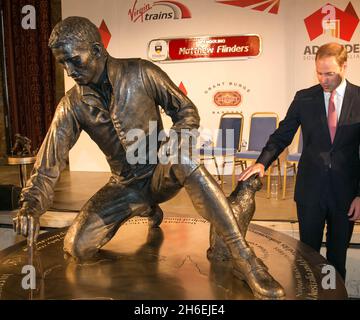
[
  {"x": 242, "y": 201},
  {"x": 22, "y": 146}
]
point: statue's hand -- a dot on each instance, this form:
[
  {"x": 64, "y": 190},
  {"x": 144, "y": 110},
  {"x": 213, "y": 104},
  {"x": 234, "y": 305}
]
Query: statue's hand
[{"x": 28, "y": 225}]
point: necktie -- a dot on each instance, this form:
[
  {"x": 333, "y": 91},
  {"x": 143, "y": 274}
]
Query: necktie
[{"x": 332, "y": 116}]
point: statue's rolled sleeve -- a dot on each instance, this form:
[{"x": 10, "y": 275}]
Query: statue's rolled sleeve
[
  {"x": 51, "y": 159},
  {"x": 184, "y": 115},
  {"x": 168, "y": 96}
]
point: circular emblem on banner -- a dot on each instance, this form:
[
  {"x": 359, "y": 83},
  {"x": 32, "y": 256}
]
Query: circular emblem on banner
[{"x": 227, "y": 98}]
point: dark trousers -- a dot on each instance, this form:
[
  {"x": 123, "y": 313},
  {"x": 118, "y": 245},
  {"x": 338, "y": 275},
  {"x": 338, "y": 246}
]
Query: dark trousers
[{"x": 312, "y": 220}]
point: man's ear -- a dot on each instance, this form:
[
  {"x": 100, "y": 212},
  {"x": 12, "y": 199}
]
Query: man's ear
[
  {"x": 345, "y": 66},
  {"x": 97, "y": 49}
]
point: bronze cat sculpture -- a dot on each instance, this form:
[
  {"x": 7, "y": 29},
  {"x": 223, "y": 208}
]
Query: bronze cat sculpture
[{"x": 242, "y": 201}]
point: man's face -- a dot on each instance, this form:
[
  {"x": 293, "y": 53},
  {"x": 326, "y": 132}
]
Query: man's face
[
  {"x": 329, "y": 73},
  {"x": 80, "y": 62}
]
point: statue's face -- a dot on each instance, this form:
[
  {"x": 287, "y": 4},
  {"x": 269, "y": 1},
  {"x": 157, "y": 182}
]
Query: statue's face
[{"x": 81, "y": 62}]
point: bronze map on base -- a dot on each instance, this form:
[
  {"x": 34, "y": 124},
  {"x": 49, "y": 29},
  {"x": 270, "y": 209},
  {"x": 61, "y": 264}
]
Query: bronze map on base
[{"x": 167, "y": 263}]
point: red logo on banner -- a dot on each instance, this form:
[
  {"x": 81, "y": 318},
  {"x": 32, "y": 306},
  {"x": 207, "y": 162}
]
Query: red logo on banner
[
  {"x": 272, "y": 5},
  {"x": 340, "y": 24},
  {"x": 227, "y": 98},
  {"x": 226, "y": 47},
  {"x": 105, "y": 34},
  {"x": 146, "y": 12},
  {"x": 182, "y": 88}
]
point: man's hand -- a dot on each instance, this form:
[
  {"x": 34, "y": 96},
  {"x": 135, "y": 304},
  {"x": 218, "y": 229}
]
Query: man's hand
[
  {"x": 354, "y": 212},
  {"x": 248, "y": 172},
  {"x": 27, "y": 225}
]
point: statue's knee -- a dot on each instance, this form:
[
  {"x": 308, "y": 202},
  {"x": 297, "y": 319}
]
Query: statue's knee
[
  {"x": 75, "y": 246},
  {"x": 70, "y": 246}
]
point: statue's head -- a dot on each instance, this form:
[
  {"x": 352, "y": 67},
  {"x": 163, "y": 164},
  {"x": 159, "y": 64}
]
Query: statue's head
[{"x": 76, "y": 44}]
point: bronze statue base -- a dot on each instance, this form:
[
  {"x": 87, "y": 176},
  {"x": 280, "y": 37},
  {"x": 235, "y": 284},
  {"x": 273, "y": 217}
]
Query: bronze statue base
[{"x": 167, "y": 263}]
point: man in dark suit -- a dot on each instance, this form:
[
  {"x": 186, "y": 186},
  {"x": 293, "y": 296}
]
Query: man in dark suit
[{"x": 327, "y": 187}]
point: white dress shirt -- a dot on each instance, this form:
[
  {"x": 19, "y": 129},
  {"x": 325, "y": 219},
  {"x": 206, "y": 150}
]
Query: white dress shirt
[{"x": 338, "y": 100}]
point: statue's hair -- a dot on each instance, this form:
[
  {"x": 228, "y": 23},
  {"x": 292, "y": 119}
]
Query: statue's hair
[
  {"x": 74, "y": 29},
  {"x": 333, "y": 49}
]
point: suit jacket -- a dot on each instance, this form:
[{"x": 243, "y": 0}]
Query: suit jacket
[{"x": 323, "y": 165}]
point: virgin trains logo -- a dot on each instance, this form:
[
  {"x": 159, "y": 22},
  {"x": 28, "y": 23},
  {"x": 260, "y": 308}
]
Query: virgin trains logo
[
  {"x": 270, "y": 6},
  {"x": 158, "y": 10},
  {"x": 330, "y": 19}
]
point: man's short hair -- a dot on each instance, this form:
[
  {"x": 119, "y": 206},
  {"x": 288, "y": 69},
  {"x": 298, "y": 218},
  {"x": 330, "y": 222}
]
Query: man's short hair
[
  {"x": 333, "y": 49},
  {"x": 74, "y": 29}
]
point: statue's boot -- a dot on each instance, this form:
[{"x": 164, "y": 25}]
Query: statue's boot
[
  {"x": 155, "y": 217},
  {"x": 211, "y": 203}
]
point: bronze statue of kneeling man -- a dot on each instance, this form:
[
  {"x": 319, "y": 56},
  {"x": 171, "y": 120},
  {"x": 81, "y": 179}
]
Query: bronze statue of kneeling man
[{"x": 112, "y": 100}]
